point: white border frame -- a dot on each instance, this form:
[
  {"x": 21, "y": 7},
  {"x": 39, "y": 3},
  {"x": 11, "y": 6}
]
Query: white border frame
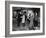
[{"x": 29, "y": 6}]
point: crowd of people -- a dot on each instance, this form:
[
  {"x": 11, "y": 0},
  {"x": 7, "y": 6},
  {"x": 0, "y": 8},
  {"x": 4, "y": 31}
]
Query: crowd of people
[{"x": 24, "y": 20}]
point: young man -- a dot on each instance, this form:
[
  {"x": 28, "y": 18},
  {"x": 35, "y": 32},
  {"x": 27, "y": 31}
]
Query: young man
[{"x": 30, "y": 17}]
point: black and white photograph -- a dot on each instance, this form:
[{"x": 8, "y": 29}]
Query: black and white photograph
[{"x": 25, "y": 18}]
